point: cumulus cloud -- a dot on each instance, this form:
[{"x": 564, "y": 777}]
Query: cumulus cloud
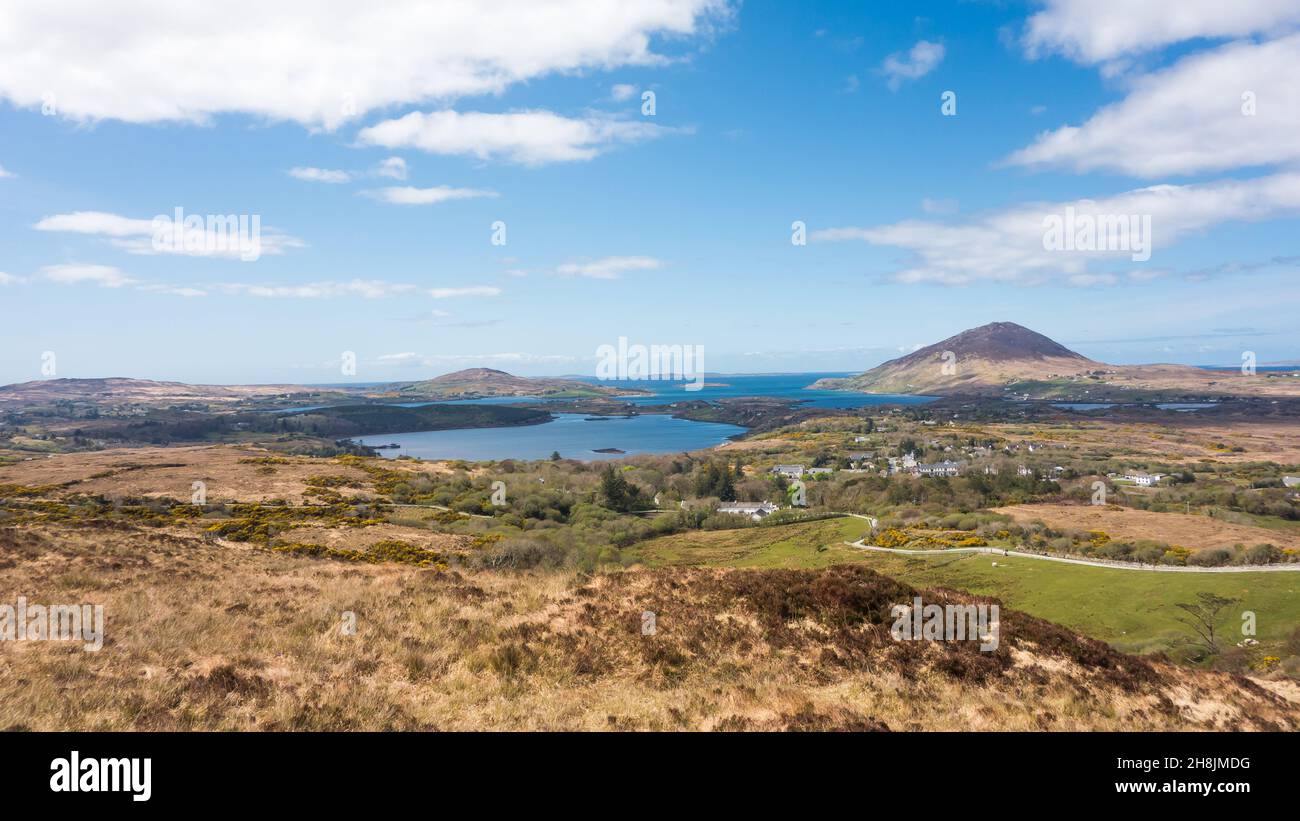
[
  {"x": 474, "y": 290},
  {"x": 1191, "y": 117},
  {"x": 1094, "y": 31},
  {"x": 10, "y": 279},
  {"x": 136, "y": 236},
  {"x": 320, "y": 174},
  {"x": 105, "y": 276},
  {"x": 409, "y": 195},
  {"x": 608, "y": 267},
  {"x": 622, "y": 92},
  {"x": 1008, "y": 246},
  {"x": 174, "y": 290},
  {"x": 363, "y": 288},
  {"x": 145, "y": 62},
  {"x": 524, "y": 137},
  {"x": 919, "y": 61},
  {"x": 393, "y": 168},
  {"x": 411, "y": 358},
  {"x": 939, "y": 206},
  {"x": 4, "y": 173}
]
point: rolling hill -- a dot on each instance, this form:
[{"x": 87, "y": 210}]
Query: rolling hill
[
  {"x": 1006, "y": 359},
  {"x": 473, "y": 382},
  {"x": 124, "y": 390}
]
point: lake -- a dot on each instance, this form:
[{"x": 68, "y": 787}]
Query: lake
[
  {"x": 570, "y": 434},
  {"x": 724, "y": 386},
  {"x": 576, "y": 438}
]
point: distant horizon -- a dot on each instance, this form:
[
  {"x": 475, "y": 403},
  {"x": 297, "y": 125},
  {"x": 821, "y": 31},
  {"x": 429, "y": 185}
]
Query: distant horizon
[{"x": 569, "y": 376}]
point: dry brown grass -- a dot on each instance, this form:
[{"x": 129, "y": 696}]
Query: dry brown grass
[
  {"x": 230, "y": 473},
  {"x": 1181, "y": 438},
  {"x": 213, "y": 636},
  {"x": 1127, "y": 524}
]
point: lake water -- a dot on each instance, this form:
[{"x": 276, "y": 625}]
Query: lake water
[
  {"x": 576, "y": 438},
  {"x": 1173, "y": 406},
  {"x": 722, "y": 386},
  {"x": 570, "y": 434}
]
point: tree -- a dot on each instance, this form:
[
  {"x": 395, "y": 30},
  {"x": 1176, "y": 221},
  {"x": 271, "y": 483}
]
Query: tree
[
  {"x": 619, "y": 494},
  {"x": 1201, "y": 616},
  {"x": 555, "y": 456},
  {"x": 726, "y": 488}
]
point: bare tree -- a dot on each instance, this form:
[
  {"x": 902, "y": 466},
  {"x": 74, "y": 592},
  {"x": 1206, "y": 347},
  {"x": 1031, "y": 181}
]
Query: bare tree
[{"x": 1201, "y": 616}]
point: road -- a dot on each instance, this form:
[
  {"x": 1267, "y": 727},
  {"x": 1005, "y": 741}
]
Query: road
[{"x": 1160, "y": 568}]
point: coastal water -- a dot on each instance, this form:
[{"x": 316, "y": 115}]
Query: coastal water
[
  {"x": 570, "y": 433},
  {"x": 576, "y": 438},
  {"x": 729, "y": 386}
]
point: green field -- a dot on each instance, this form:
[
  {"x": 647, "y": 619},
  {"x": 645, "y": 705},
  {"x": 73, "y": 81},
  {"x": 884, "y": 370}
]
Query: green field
[{"x": 1133, "y": 610}]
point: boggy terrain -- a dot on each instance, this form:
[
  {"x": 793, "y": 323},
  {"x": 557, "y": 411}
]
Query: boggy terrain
[{"x": 205, "y": 635}]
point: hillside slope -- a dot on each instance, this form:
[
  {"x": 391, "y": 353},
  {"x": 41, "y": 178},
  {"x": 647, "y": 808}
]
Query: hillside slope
[
  {"x": 492, "y": 382},
  {"x": 241, "y": 637},
  {"x": 1006, "y": 359},
  {"x": 125, "y": 390}
]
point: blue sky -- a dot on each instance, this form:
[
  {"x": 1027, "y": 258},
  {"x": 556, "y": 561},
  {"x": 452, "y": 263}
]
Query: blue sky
[{"x": 666, "y": 229}]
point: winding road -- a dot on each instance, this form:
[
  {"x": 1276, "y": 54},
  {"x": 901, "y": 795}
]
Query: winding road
[{"x": 1160, "y": 568}]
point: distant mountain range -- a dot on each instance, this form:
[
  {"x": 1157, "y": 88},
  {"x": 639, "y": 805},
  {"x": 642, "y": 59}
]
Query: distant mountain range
[
  {"x": 465, "y": 384},
  {"x": 122, "y": 389},
  {"x": 492, "y": 382},
  {"x": 1006, "y": 359}
]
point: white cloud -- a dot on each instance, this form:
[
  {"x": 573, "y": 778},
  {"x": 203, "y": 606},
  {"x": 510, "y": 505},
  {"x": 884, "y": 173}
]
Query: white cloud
[
  {"x": 320, "y": 66},
  {"x": 174, "y": 290},
  {"x": 939, "y": 206},
  {"x": 364, "y": 288},
  {"x": 608, "y": 267},
  {"x": 96, "y": 222},
  {"x": 329, "y": 175},
  {"x": 408, "y": 195},
  {"x": 4, "y": 173},
  {"x": 409, "y": 358},
  {"x": 393, "y": 168},
  {"x": 136, "y": 236},
  {"x": 106, "y": 276},
  {"x": 1189, "y": 118},
  {"x": 1008, "y": 245},
  {"x": 474, "y": 290},
  {"x": 525, "y": 137},
  {"x": 1093, "y": 31},
  {"x": 622, "y": 92},
  {"x": 919, "y": 61},
  {"x": 10, "y": 279}
]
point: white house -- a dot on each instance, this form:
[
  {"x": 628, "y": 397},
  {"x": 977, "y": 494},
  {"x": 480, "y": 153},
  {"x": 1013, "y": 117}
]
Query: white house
[
  {"x": 1291, "y": 481},
  {"x": 754, "y": 510},
  {"x": 1024, "y": 470},
  {"x": 1142, "y": 478},
  {"x": 789, "y": 471},
  {"x": 944, "y": 468}
]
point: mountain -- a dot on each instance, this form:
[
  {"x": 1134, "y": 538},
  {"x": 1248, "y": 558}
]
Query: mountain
[
  {"x": 124, "y": 390},
  {"x": 464, "y": 384},
  {"x": 1003, "y": 358},
  {"x": 979, "y": 361},
  {"x": 473, "y": 382}
]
